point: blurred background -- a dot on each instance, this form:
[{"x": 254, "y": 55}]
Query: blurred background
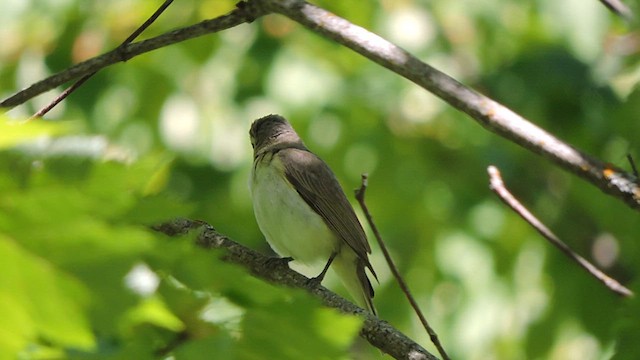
[{"x": 166, "y": 134}]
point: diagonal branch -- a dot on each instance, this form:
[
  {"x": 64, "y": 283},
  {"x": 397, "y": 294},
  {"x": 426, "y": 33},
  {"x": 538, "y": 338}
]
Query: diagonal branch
[
  {"x": 396, "y": 273},
  {"x": 618, "y": 8},
  {"x": 634, "y": 169},
  {"x": 82, "y": 80},
  {"x": 497, "y": 186},
  {"x": 377, "y": 332},
  {"x": 236, "y": 17},
  {"x": 147, "y": 23},
  {"x": 487, "y": 112}
]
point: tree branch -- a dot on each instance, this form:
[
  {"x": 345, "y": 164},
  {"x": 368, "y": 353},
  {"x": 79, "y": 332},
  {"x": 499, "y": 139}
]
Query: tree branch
[
  {"x": 497, "y": 186},
  {"x": 82, "y": 80},
  {"x": 396, "y": 273},
  {"x": 618, "y": 8},
  {"x": 634, "y": 169},
  {"x": 243, "y": 13},
  {"x": 377, "y": 332},
  {"x": 487, "y": 112}
]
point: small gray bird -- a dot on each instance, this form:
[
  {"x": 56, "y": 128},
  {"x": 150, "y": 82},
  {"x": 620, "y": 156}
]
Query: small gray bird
[{"x": 301, "y": 209}]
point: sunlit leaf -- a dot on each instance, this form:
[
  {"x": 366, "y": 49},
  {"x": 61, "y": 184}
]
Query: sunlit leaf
[
  {"x": 60, "y": 317},
  {"x": 13, "y": 133}
]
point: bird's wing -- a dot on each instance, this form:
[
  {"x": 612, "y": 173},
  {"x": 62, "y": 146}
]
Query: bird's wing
[{"x": 317, "y": 185}]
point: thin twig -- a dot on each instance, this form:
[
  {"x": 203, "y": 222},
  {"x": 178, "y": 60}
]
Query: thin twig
[
  {"x": 147, "y": 23},
  {"x": 181, "y": 338},
  {"x": 82, "y": 80},
  {"x": 377, "y": 332},
  {"x": 633, "y": 165},
  {"x": 45, "y": 109},
  {"x": 123, "y": 53},
  {"x": 618, "y": 8},
  {"x": 497, "y": 186},
  {"x": 394, "y": 269}
]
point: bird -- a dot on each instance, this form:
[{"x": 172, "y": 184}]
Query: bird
[{"x": 302, "y": 210}]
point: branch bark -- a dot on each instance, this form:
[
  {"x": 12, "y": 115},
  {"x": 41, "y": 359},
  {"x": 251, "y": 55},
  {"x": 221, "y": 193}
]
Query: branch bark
[
  {"x": 234, "y": 18},
  {"x": 394, "y": 270},
  {"x": 82, "y": 80},
  {"x": 498, "y": 187},
  {"x": 619, "y": 8},
  {"x": 487, "y": 112},
  {"x": 377, "y": 332}
]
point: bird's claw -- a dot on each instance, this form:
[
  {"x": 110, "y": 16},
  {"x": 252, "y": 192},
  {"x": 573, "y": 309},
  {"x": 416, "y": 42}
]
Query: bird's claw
[
  {"x": 275, "y": 261},
  {"x": 314, "y": 281}
]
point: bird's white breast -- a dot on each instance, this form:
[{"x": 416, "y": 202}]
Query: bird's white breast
[{"x": 290, "y": 226}]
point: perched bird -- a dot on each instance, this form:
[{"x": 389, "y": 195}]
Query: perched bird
[{"x": 302, "y": 210}]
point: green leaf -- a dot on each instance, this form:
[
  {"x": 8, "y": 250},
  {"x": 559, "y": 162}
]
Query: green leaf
[
  {"x": 297, "y": 329},
  {"x": 219, "y": 346},
  {"x": 27, "y": 317},
  {"x": 154, "y": 311},
  {"x": 14, "y": 132}
]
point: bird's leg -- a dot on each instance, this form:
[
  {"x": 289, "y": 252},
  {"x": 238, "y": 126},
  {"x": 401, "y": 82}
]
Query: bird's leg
[{"x": 315, "y": 281}]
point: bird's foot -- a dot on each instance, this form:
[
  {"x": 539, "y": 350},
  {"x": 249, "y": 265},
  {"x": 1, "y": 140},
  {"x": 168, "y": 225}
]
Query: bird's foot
[
  {"x": 274, "y": 262},
  {"x": 315, "y": 281}
]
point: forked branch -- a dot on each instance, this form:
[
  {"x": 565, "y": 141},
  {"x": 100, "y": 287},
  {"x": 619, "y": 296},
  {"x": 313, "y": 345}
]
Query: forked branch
[
  {"x": 82, "y": 80},
  {"x": 234, "y": 18}
]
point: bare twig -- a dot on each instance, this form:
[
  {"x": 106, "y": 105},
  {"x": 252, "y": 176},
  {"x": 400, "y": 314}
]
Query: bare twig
[
  {"x": 147, "y": 23},
  {"x": 123, "y": 53},
  {"x": 166, "y": 350},
  {"x": 82, "y": 80},
  {"x": 633, "y": 165},
  {"x": 487, "y": 112},
  {"x": 377, "y": 332},
  {"x": 618, "y": 8},
  {"x": 63, "y": 95},
  {"x": 497, "y": 186},
  {"x": 394, "y": 269}
]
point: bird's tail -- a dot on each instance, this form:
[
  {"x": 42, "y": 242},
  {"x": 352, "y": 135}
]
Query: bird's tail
[{"x": 351, "y": 270}]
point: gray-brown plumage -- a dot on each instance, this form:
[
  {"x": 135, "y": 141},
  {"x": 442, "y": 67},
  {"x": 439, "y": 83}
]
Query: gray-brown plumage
[{"x": 302, "y": 210}]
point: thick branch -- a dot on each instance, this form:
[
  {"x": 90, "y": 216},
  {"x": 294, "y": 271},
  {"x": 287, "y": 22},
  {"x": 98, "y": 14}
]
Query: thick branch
[
  {"x": 378, "y": 332},
  {"x": 487, "y": 112},
  {"x": 124, "y": 53}
]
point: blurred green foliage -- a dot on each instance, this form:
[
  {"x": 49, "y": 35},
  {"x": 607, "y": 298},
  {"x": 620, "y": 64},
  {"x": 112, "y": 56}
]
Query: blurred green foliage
[{"x": 165, "y": 135}]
